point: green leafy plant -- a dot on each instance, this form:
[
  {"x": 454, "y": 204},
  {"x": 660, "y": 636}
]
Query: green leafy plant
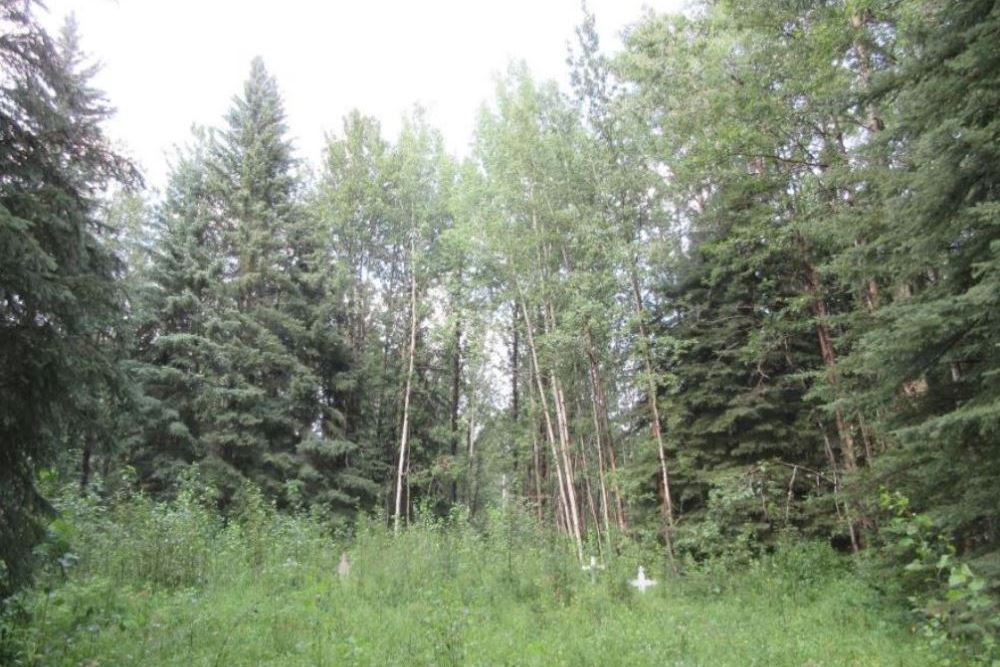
[{"x": 950, "y": 599}]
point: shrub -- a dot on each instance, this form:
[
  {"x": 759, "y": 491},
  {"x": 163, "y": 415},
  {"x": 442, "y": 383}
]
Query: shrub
[{"x": 949, "y": 599}]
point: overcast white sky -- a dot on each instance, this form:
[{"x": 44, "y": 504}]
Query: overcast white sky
[{"x": 170, "y": 63}]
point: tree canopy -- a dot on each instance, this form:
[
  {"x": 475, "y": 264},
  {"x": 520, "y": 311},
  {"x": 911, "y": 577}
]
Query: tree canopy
[{"x": 738, "y": 284}]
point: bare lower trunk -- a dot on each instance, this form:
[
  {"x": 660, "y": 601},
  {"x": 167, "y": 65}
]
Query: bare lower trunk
[
  {"x": 564, "y": 446},
  {"x": 844, "y": 430},
  {"x": 846, "y": 514},
  {"x": 456, "y": 383},
  {"x": 859, "y": 20},
  {"x": 602, "y": 485},
  {"x": 411, "y": 355},
  {"x": 514, "y": 389},
  {"x": 588, "y": 492},
  {"x": 565, "y": 489},
  {"x": 562, "y": 420},
  {"x": 667, "y": 507},
  {"x": 473, "y": 467},
  {"x": 603, "y": 430},
  {"x": 85, "y": 468},
  {"x": 536, "y": 460},
  {"x": 828, "y": 355}
]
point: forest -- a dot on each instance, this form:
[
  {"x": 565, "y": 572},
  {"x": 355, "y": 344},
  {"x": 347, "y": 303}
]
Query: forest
[{"x": 727, "y": 307}]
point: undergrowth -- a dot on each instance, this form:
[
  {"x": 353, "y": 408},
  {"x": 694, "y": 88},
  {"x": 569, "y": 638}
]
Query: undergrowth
[{"x": 138, "y": 582}]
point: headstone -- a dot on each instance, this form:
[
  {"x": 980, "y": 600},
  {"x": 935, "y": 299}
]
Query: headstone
[{"x": 344, "y": 568}]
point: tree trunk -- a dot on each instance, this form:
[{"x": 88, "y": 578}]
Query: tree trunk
[
  {"x": 473, "y": 466},
  {"x": 564, "y": 446},
  {"x": 604, "y": 432},
  {"x": 411, "y": 355},
  {"x": 589, "y": 491},
  {"x": 562, "y": 420},
  {"x": 858, "y": 21},
  {"x": 514, "y": 387},
  {"x": 85, "y": 468},
  {"x": 602, "y": 485},
  {"x": 818, "y": 306},
  {"x": 549, "y": 429},
  {"x": 456, "y": 382},
  {"x": 536, "y": 459},
  {"x": 855, "y": 545},
  {"x": 667, "y": 504}
]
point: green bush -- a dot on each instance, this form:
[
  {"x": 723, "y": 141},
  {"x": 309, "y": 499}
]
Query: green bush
[{"x": 949, "y": 599}]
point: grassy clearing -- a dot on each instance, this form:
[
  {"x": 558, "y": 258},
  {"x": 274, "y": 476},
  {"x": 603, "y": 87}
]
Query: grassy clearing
[{"x": 172, "y": 585}]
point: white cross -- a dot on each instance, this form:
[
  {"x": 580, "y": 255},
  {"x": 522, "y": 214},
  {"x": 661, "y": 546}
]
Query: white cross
[
  {"x": 593, "y": 568},
  {"x": 641, "y": 582}
]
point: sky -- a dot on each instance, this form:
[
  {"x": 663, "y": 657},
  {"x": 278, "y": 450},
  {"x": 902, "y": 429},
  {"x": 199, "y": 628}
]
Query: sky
[{"x": 168, "y": 64}]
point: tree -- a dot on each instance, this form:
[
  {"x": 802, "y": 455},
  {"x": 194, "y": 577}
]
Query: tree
[
  {"x": 930, "y": 357},
  {"x": 59, "y": 303},
  {"x": 242, "y": 349},
  {"x": 174, "y": 357},
  {"x": 416, "y": 172},
  {"x": 753, "y": 106}
]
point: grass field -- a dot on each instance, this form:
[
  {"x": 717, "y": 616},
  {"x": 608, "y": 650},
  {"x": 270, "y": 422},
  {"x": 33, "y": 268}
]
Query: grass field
[{"x": 155, "y": 584}]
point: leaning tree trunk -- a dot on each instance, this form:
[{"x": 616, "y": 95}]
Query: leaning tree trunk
[
  {"x": 411, "y": 355},
  {"x": 604, "y": 433},
  {"x": 827, "y": 353},
  {"x": 667, "y": 504},
  {"x": 561, "y": 478}
]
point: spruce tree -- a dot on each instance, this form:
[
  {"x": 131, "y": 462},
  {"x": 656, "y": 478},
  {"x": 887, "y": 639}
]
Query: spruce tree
[
  {"x": 59, "y": 301},
  {"x": 241, "y": 349},
  {"x": 174, "y": 359},
  {"x": 264, "y": 390},
  {"x": 931, "y": 357}
]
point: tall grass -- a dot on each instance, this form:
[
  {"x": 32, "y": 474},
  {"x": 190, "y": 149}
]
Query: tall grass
[{"x": 173, "y": 584}]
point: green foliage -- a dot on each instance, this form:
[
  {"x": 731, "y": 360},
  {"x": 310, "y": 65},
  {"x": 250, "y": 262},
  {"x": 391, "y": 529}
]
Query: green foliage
[
  {"x": 265, "y": 591},
  {"x": 59, "y": 302},
  {"x": 736, "y": 522},
  {"x": 950, "y": 600},
  {"x": 237, "y": 337},
  {"x": 833, "y": 176},
  {"x": 938, "y": 332},
  {"x": 752, "y": 258}
]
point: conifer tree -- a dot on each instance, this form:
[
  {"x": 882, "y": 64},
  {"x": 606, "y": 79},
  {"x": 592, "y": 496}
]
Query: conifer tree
[
  {"x": 59, "y": 303},
  {"x": 242, "y": 347},
  {"x": 930, "y": 357},
  {"x": 174, "y": 358}
]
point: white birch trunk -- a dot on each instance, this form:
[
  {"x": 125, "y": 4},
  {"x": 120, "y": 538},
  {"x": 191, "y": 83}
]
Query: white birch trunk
[{"x": 405, "y": 435}]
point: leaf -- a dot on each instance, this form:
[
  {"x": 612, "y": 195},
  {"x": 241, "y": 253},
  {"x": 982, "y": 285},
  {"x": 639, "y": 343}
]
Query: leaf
[{"x": 957, "y": 579}]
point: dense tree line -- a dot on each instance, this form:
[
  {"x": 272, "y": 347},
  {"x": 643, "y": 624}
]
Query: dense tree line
[{"x": 741, "y": 281}]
